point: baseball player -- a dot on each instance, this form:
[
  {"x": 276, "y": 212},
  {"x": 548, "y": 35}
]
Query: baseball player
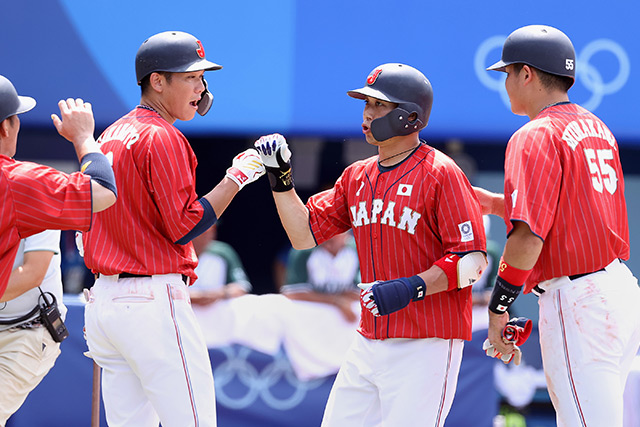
[
  {"x": 328, "y": 273},
  {"x": 27, "y": 349},
  {"x": 420, "y": 240},
  {"x": 567, "y": 228},
  {"x": 37, "y": 197},
  {"x": 140, "y": 327},
  {"x": 221, "y": 274}
]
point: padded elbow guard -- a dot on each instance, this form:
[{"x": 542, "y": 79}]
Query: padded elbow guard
[
  {"x": 97, "y": 166},
  {"x": 462, "y": 271}
]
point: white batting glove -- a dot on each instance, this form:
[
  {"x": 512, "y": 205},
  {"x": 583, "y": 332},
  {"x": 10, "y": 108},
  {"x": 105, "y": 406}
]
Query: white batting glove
[
  {"x": 79, "y": 243},
  {"x": 491, "y": 351},
  {"x": 247, "y": 167},
  {"x": 276, "y": 157},
  {"x": 367, "y": 299}
]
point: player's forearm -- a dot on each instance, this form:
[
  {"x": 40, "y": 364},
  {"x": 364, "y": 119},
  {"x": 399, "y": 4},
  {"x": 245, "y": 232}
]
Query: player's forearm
[
  {"x": 86, "y": 146},
  {"x": 435, "y": 280},
  {"x": 222, "y": 195},
  {"x": 491, "y": 203},
  {"x": 295, "y": 219},
  {"x": 522, "y": 248},
  {"x": 22, "y": 279}
]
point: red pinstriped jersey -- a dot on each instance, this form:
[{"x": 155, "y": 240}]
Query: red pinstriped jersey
[
  {"x": 37, "y": 198},
  {"x": 154, "y": 167},
  {"x": 403, "y": 220},
  {"x": 564, "y": 179}
]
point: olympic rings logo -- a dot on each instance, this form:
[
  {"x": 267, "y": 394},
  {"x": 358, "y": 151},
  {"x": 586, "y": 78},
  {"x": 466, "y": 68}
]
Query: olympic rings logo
[
  {"x": 586, "y": 73},
  {"x": 239, "y": 384}
]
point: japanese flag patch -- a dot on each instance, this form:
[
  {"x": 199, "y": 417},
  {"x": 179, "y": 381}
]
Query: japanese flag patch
[
  {"x": 466, "y": 231},
  {"x": 405, "y": 189}
]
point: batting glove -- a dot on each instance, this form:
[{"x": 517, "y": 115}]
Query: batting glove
[
  {"x": 276, "y": 157},
  {"x": 516, "y": 331},
  {"x": 386, "y": 297},
  {"x": 246, "y": 168},
  {"x": 491, "y": 351}
]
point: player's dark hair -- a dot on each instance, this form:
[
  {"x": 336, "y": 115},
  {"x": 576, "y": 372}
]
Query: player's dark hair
[
  {"x": 145, "y": 82},
  {"x": 548, "y": 80}
]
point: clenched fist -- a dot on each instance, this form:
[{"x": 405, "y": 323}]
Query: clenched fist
[
  {"x": 276, "y": 157},
  {"x": 247, "y": 167}
]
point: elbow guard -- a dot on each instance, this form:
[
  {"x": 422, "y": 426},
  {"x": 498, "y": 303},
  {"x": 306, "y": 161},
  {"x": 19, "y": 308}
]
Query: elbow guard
[
  {"x": 97, "y": 166},
  {"x": 462, "y": 271}
]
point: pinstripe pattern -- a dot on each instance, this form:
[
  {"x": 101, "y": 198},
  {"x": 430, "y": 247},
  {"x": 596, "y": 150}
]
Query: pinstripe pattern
[
  {"x": 187, "y": 376},
  {"x": 559, "y": 179},
  {"x": 154, "y": 167},
  {"x": 441, "y": 414},
  {"x": 565, "y": 347},
  {"x": 403, "y": 220},
  {"x": 37, "y": 198}
]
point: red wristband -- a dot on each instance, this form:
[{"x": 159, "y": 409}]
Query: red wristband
[
  {"x": 449, "y": 264},
  {"x": 512, "y": 275}
]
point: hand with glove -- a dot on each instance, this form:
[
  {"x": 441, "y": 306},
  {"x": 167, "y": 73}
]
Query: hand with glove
[
  {"x": 246, "y": 168},
  {"x": 386, "y": 297},
  {"x": 276, "y": 157},
  {"x": 516, "y": 331}
]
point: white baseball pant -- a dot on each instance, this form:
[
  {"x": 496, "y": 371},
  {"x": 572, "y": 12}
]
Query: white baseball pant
[
  {"x": 589, "y": 336},
  {"x": 395, "y": 382},
  {"x": 156, "y": 367}
]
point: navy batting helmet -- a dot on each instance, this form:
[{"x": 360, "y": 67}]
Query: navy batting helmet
[
  {"x": 405, "y": 86},
  {"x": 540, "y": 46},
  {"x": 10, "y": 102},
  {"x": 171, "y": 51}
]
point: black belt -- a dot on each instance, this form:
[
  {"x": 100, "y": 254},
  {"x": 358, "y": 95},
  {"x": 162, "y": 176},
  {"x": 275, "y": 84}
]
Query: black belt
[
  {"x": 125, "y": 275},
  {"x": 577, "y": 276},
  {"x": 537, "y": 290}
]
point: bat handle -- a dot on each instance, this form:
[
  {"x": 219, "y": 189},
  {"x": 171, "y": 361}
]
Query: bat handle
[{"x": 95, "y": 396}]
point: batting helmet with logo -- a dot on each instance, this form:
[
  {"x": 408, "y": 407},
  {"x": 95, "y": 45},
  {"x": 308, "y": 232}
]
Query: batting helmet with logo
[
  {"x": 540, "y": 46},
  {"x": 405, "y": 86},
  {"x": 171, "y": 51},
  {"x": 10, "y": 102}
]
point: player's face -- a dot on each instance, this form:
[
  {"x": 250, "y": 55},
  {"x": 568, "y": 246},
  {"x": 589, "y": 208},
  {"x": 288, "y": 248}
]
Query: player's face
[
  {"x": 182, "y": 93},
  {"x": 374, "y": 109},
  {"x": 514, "y": 90}
]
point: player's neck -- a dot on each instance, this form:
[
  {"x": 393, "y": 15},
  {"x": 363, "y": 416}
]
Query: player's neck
[
  {"x": 154, "y": 105},
  {"x": 396, "y": 152},
  {"x": 551, "y": 99}
]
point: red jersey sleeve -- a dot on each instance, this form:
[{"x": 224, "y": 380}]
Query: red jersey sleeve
[
  {"x": 45, "y": 198},
  {"x": 329, "y": 211}
]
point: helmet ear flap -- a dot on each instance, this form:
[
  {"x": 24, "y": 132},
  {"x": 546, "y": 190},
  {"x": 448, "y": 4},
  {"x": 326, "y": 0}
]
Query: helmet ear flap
[{"x": 205, "y": 100}]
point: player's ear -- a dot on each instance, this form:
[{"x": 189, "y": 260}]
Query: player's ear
[
  {"x": 526, "y": 73},
  {"x": 156, "y": 81},
  {"x": 4, "y": 127}
]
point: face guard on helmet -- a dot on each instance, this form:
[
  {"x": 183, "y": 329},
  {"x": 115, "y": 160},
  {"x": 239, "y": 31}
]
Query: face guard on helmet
[
  {"x": 402, "y": 85},
  {"x": 175, "y": 52},
  {"x": 545, "y": 48}
]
